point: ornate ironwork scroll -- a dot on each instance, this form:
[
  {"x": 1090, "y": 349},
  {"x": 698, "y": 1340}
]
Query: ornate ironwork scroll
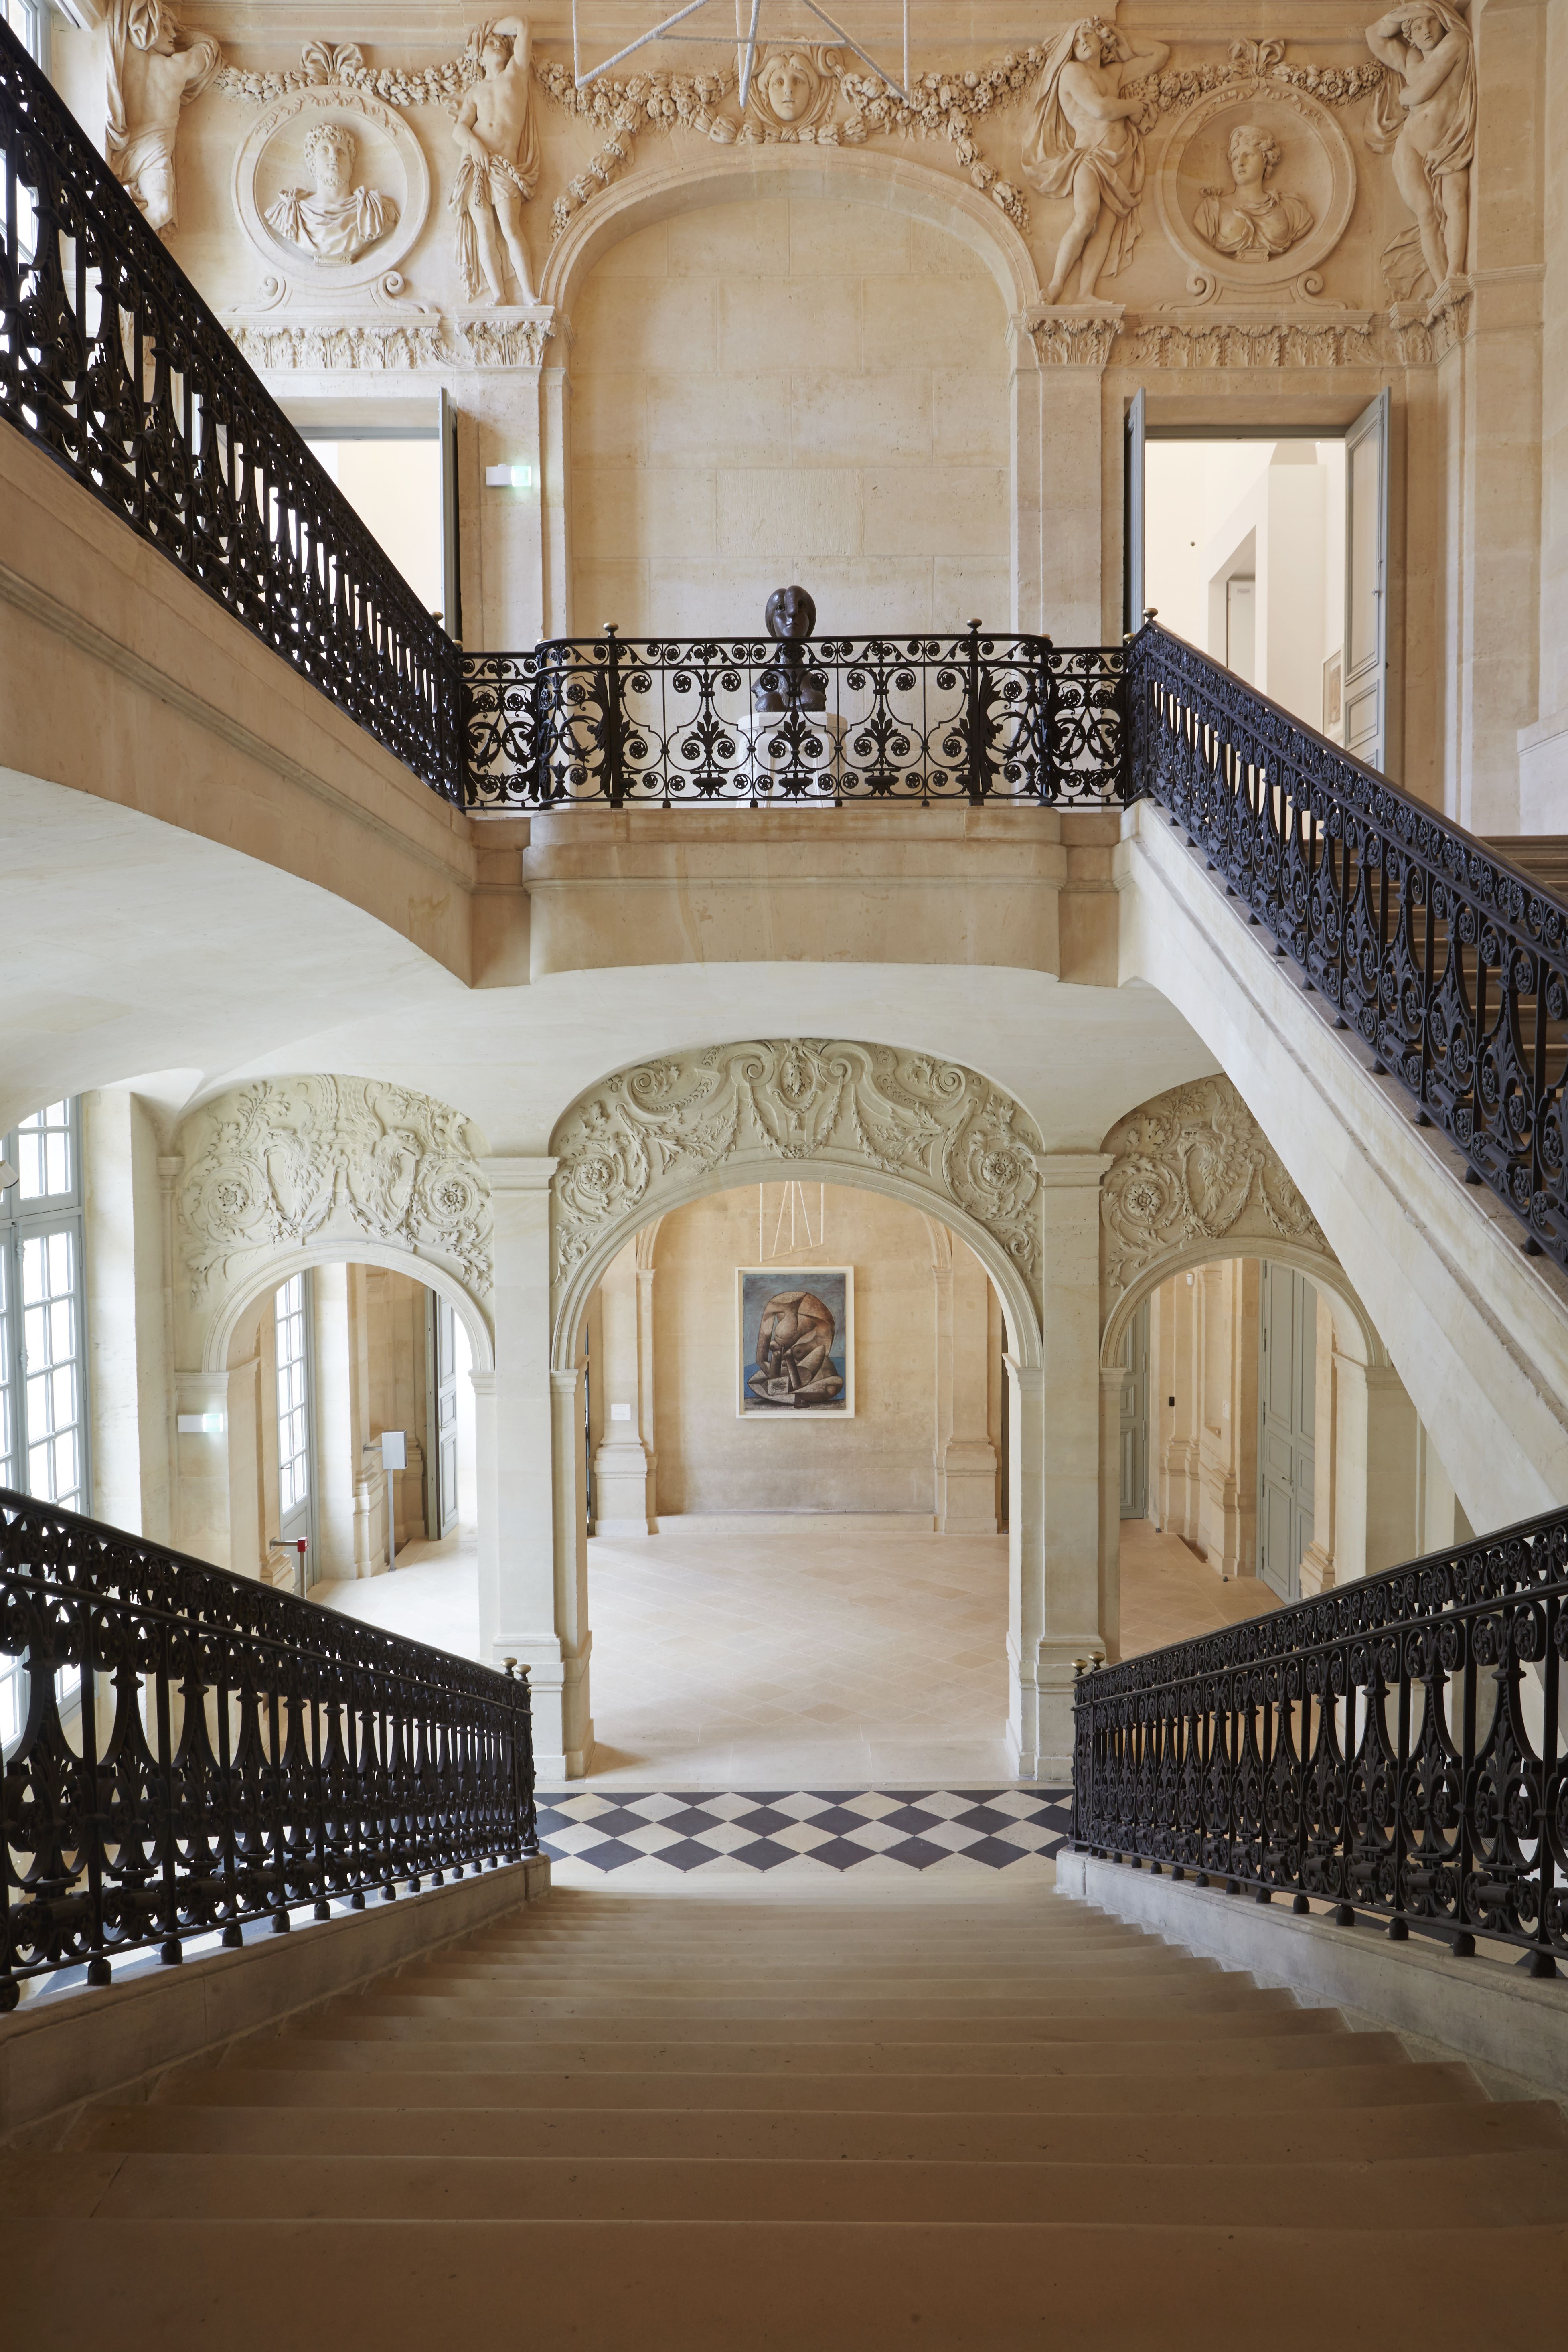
[
  {"x": 198, "y": 1750},
  {"x": 1447, "y": 961},
  {"x": 110, "y": 361},
  {"x": 1395, "y": 1746},
  {"x": 683, "y": 722}
]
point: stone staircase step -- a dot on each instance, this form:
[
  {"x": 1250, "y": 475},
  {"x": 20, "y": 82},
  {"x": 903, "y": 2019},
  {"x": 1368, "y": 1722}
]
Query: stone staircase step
[
  {"x": 1384, "y": 2077},
  {"x": 1517, "y": 2187},
  {"x": 603, "y": 2286},
  {"x": 1143, "y": 2024},
  {"x": 1464, "y": 2127},
  {"x": 1265, "y": 2048}
]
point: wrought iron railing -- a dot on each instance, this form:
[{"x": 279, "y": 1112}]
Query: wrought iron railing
[
  {"x": 1395, "y": 1746},
  {"x": 679, "y": 721},
  {"x": 110, "y": 361},
  {"x": 1447, "y": 961},
  {"x": 197, "y": 1749}
]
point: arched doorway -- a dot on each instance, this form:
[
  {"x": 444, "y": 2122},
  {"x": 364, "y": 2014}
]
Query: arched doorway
[
  {"x": 350, "y": 1432},
  {"x": 811, "y": 1593}
]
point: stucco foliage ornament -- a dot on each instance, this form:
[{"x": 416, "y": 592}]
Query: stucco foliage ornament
[
  {"x": 308, "y": 1159},
  {"x": 1193, "y": 1165},
  {"x": 946, "y": 1128}
]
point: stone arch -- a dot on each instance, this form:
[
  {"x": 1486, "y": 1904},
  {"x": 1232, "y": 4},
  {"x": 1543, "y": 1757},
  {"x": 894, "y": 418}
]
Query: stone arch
[
  {"x": 319, "y": 1171},
  {"x": 259, "y": 1280},
  {"x": 1193, "y": 1177},
  {"x": 932, "y": 1134},
  {"x": 731, "y": 177},
  {"x": 1354, "y": 1331}
]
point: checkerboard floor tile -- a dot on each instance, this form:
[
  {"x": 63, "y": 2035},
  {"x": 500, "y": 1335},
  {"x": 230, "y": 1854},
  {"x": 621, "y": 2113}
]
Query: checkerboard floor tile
[{"x": 836, "y": 1830}]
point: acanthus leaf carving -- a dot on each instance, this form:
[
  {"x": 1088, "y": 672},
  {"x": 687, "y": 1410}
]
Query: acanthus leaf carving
[
  {"x": 312, "y": 1158},
  {"x": 940, "y": 1126},
  {"x": 1193, "y": 1165}
]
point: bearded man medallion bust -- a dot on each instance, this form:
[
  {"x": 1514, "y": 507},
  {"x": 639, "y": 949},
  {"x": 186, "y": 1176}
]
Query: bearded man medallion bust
[{"x": 333, "y": 221}]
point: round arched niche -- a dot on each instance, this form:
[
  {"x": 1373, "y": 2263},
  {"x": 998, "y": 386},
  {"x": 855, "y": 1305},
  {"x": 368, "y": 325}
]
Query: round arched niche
[
  {"x": 848, "y": 175},
  {"x": 807, "y": 379}
]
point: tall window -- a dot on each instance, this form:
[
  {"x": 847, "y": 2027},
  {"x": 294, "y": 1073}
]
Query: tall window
[
  {"x": 296, "y": 1414},
  {"x": 43, "y": 1336},
  {"x": 30, "y": 20},
  {"x": 43, "y": 1341}
]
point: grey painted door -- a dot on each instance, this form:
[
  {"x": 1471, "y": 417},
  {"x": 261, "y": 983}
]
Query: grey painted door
[
  {"x": 446, "y": 1390},
  {"x": 1366, "y": 604},
  {"x": 1286, "y": 1415},
  {"x": 1135, "y": 1418}
]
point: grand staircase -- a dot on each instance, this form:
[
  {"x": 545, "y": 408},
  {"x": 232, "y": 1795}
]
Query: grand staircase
[{"x": 975, "y": 2115}]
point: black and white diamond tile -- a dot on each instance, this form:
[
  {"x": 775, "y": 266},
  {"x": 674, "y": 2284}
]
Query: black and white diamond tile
[{"x": 835, "y": 1829}]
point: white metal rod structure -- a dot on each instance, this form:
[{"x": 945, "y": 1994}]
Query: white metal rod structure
[
  {"x": 745, "y": 46},
  {"x": 850, "y": 43},
  {"x": 749, "y": 58},
  {"x": 583, "y": 80}
]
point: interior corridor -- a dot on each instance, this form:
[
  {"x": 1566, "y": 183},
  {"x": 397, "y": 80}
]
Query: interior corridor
[{"x": 827, "y": 1658}]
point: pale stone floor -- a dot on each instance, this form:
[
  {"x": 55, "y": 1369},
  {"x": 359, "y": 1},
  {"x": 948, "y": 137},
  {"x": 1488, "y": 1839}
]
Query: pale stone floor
[{"x": 837, "y": 1659}]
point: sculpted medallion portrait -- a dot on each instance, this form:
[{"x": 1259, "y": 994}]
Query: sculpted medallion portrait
[
  {"x": 1255, "y": 189},
  {"x": 331, "y": 189}
]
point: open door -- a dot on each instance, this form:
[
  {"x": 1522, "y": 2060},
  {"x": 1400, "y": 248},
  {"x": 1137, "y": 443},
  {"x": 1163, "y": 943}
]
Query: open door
[
  {"x": 443, "y": 1395},
  {"x": 1366, "y": 600},
  {"x": 1286, "y": 1434},
  {"x": 1132, "y": 516},
  {"x": 1135, "y": 1417},
  {"x": 451, "y": 584}
]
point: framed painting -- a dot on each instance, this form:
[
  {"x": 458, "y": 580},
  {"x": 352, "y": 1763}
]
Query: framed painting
[{"x": 795, "y": 1339}]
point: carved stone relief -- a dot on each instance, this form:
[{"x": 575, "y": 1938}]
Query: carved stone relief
[
  {"x": 1256, "y": 188},
  {"x": 1070, "y": 337},
  {"x": 499, "y": 164},
  {"x": 793, "y": 92},
  {"x": 945, "y": 1130},
  {"x": 1085, "y": 142},
  {"x": 1192, "y": 1165},
  {"x": 1253, "y": 175},
  {"x": 322, "y": 1159},
  {"x": 1214, "y": 342},
  {"x": 152, "y": 70},
  {"x": 331, "y": 189},
  {"x": 1424, "y": 115}
]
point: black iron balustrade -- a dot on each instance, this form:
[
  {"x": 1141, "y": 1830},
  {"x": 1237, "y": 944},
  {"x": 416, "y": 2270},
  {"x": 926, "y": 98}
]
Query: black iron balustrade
[
  {"x": 198, "y": 1750},
  {"x": 110, "y": 361},
  {"x": 1395, "y": 1746},
  {"x": 672, "y": 722},
  {"x": 1447, "y": 961}
]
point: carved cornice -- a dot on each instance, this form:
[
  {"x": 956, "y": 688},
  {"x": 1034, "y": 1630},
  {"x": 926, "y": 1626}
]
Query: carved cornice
[
  {"x": 1193, "y": 1165},
  {"x": 374, "y": 344},
  {"x": 629, "y": 1146},
  {"x": 311, "y": 1159},
  {"x": 1254, "y": 344},
  {"x": 1424, "y": 332},
  {"x": 1071, "y": 335}
]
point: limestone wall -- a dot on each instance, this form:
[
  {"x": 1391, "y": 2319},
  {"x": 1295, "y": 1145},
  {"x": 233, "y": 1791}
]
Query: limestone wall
[
  {"x": 882, "y": 1460},
  {"x": 791, "y": 389}
]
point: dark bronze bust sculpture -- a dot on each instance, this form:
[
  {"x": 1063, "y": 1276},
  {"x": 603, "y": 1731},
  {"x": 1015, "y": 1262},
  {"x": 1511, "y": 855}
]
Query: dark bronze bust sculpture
[{"x": 790, "y": 616}]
